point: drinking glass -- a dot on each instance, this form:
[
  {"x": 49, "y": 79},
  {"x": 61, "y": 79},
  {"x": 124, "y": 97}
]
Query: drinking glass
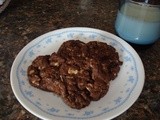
[{"x": 138, "y": 21}]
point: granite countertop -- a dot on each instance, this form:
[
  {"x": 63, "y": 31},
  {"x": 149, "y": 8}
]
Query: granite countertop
[{"x": 24, "y": 20}]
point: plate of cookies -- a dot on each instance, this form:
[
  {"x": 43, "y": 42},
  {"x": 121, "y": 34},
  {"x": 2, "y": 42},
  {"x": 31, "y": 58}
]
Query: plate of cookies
[{"x": 77, "y": 73}]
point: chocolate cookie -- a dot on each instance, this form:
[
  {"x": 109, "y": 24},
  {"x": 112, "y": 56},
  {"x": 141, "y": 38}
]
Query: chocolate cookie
[
  {"x": 79, "y": 72},
  {"x": 73, "y": 49},
  {"x": 44, "y": 76},
  {"x": 106, "y": 55}
]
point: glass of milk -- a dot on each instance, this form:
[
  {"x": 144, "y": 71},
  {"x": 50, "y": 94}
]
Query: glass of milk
[{"x": 139, "y": 22}]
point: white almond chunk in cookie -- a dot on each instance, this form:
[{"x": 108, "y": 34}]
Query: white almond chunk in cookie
[{"x": 72, "y": 71}]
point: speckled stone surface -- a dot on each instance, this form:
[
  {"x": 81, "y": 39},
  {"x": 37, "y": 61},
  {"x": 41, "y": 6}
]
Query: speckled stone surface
[{"x": 24, "y": 20}]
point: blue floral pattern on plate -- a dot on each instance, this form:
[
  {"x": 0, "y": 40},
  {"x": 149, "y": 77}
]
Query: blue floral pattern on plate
[{"x": 121, "y": 90}]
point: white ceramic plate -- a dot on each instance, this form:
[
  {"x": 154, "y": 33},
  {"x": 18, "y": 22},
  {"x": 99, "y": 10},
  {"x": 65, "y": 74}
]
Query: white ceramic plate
[{"x": 123, "y": 91}]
